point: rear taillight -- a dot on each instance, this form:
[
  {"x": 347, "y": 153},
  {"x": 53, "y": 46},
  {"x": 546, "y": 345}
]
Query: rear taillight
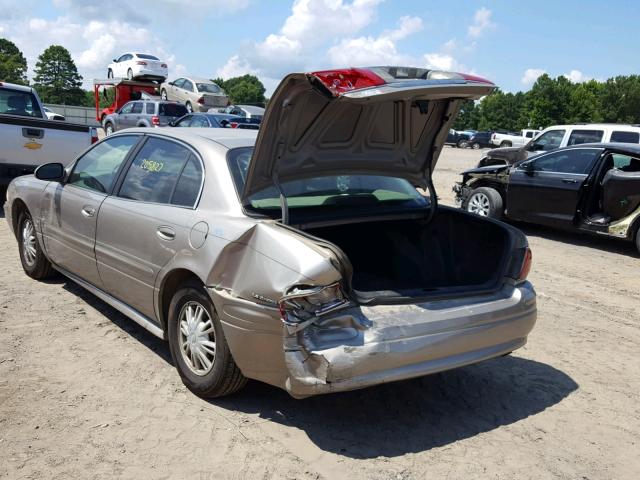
[
  {"x": 346, "y": 80},
  {"x": 141, "y": 63},
  {"x": 164, "y": 65},
  {"x": 201, "y": 100},
  {"x": 526, "y": 265},
  {"x": 304, "y": 304},
  {"x": 234, "y": 124},
  {"x": 155, "y": 120},
  {"x": 94, "y": 135}
]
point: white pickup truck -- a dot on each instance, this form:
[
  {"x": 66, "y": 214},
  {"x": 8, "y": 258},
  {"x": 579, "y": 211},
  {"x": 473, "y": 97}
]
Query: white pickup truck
[
  {"x": 513, "y": 139},
  {"x": 28, "y": 139}
]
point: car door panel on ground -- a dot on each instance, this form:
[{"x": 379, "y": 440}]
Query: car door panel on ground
[
  {"x": 142, "y": 227},
  {"x": 72, "y": 208},
  {"x": 547, "y": 189}
]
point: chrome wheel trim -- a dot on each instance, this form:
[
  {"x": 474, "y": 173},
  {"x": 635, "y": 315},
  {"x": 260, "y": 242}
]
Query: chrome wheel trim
[
  {"x": 108, "y": 129},
  {"x": 29, "y": 251},
  {"x": 479, "y": 204},
  {"x": 196, "y": 338},
  {"x": 189, "y": 107},
  {"x": 163, "y": 95}
]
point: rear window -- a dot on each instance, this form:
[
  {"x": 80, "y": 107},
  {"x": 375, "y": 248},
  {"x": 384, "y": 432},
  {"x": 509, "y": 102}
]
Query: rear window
[
  {"x": 625, "y": 137},
  {"x": 16, "y": 102},
  {"x": 579, "y": 137},
  {"x": 327, "y": 191},
  {"x": 146, "y": 56},
  {"x": 208, "y": 88},
  {"x": 172, "y": 110}
]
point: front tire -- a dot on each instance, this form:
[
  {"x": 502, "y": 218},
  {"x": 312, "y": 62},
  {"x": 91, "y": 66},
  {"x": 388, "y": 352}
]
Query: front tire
[
  {"x": 163, "y": 95},
  {"x": 638, "y": 239},
  {"x": 505, "y": 144},
  {"x": 34, "y": 262},
  {"x": 109, "y": 73},
  {"x": 130, "y": 74},
  {"x": 108, "y": 128},
  {"x": 198, "y": 346},
  {"x": 475, "y": 146},
  {"x": 486, "y": 202},
  {"x": 189, "y": 107}
]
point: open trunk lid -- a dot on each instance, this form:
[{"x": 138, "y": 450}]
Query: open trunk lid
[{"x": 389, "y": 121}]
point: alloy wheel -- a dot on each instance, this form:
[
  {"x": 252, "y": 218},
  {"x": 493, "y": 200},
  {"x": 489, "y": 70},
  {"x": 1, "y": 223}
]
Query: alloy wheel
[
  {"x": 479, "y": 204},
  {"x": 29, "y": 242},
  {"x": 196, "y": 338}
]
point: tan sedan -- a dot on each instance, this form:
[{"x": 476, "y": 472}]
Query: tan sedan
[{"x": 197, "y": 94}]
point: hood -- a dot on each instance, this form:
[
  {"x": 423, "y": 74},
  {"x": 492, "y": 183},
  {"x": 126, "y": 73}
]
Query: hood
[
  {"x": 389, "y": 121},
  {"x": 510, "y": 155},
  {"x": 486, "y": 170}
]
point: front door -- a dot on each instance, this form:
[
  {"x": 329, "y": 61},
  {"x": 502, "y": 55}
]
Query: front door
[
  {"x": 142, "y": 227},
  {"x": 548, "y": 141},
  {"x": 547, "y": 189},
  {"x": 71, "y": 208},
  {"x": 124, "y": 115}
]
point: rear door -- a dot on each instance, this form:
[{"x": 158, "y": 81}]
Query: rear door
[
  {"x": 71, "y": 208},
  {"x": 142, "y": 227},
  {"x": 578, "y": 136},
  {"x": 187, "y": 92},
  {"x": 548, "y": 188}
]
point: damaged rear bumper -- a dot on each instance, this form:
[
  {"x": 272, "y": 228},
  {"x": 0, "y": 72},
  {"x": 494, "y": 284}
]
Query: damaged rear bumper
[{"x": 407, "y": 341}]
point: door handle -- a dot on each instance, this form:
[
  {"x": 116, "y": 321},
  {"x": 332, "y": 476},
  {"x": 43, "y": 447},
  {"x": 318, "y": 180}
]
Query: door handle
[
  {"x": 569, "y": 180},
  {"x": 88, "y": 211},
  {"x": 166, "y": 233}
]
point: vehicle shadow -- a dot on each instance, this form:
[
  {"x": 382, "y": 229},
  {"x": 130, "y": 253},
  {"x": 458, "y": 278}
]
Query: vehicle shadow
[
  {"x": 607, "y": 244},
  {"x": 415, "y": 415},
  {"x": 153, "y": 343}
]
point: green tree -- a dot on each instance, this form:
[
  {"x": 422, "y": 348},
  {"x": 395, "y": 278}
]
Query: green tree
[
  {"x": 549, "y": 101},
  {"x": 620, "y": 99},
  {"x": 244, "y": 89},
  {"x": 585, "y": 103},
  {"x": 57, "y": 79},
  {"x": 13, "y": 65},
  {"x": 502, "y": 111},
  {"x": 467, "y": 117}
]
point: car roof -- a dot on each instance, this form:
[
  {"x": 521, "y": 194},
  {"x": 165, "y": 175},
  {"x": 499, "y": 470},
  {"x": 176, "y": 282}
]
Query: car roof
[
  {"x": 227, "y": 137},
  {"x": 251, "y": 108},
  {"x": 623, "y": 126},
  {"x": 15, "y": 86}
]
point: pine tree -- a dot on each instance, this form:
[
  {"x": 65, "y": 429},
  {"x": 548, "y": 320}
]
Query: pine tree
[
  {"x": 13, "y": 65},
  {"x": 57, "y": 79}
]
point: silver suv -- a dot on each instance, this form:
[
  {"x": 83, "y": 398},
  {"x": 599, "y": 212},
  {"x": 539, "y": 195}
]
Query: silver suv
[
  {"x": 141, "y": 113},
  {"x": 300, "y": 255}
]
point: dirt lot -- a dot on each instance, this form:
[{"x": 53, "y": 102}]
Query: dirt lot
[{"x": 86, "y": 393}]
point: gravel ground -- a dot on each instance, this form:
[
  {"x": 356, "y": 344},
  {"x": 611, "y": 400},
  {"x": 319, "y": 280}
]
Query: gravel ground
[{"x": 86, "y": 393}]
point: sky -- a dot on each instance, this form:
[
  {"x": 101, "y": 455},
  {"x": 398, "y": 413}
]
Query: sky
[{"x": 507, "y": 41}]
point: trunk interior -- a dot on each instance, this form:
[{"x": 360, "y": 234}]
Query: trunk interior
[{"x": 456, "y": 252}]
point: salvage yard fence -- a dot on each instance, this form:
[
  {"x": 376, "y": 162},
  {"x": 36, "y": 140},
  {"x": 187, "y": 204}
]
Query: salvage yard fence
[{"x": 83, "y": 115}]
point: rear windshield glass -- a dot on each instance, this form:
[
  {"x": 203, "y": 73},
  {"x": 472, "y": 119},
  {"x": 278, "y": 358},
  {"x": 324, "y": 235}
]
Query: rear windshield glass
[
  {"x": 172, "y": 110},
  {"x": 327, "y": 191},
  {"x": 208, "y": 88},
  {"x": 146, "y": 56},
  {"x": 625, "y": 137},
  {"x": 16, "y": 102}
]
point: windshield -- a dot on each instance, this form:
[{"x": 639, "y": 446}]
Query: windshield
[
  {"x": 16, "y": 102},
  {"x": 146, "y": 56},
  {"x": 172, "y": 110},
  {"x": 327, "y": 191},
  {"x": 208, "y": 87}
]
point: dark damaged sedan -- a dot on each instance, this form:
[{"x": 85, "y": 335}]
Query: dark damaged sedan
[
  {"x": 302, "y": 256},
  {"x": 592, "y": 188}
]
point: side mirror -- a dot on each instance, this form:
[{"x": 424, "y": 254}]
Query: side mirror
[
  {"x": 528, "y": 168},
  {"x": 172, "y": 123},
  {"x": 50, "y": 171},
  {"x": 115, "y": 60}
]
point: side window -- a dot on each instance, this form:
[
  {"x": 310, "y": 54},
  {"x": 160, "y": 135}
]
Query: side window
[
  {"x": 625, "y": 137},
  {"x": 122, "y": 58},
  {"x": 137, "y": 107},
  {"x": 151, "y": 108},
  {"x": 547, "y": 141},
  {"x": 199, "y": 121},
  {"x": 188, "y": 86},
  {"x": 126, "y": 109},
  {"x": 154, "y": 173},
  {"x": 579, "y": 137},
  {"x": 576, "y": 161},
  {"x": 188, "y": 187},
  {"x": 185, "y": 122},
  {"x": 178, "y": 83},
  {"x": 98, "y": 168},
  {"x": 625, "y": 162}
]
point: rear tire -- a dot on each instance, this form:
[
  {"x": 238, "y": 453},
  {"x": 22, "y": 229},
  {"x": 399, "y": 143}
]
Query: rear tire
[
  {"x": 194, "y": 331},
  {"x": 109, "y": 73},
  {"x": 462, "y": 144},
  {"x": 475, "y": 146},
  {"x": 486, "y": 202},
  {"x": 505, "y": 144},
  {"x": 34, "y": 262},
  {"x": 130, "y": 74}
]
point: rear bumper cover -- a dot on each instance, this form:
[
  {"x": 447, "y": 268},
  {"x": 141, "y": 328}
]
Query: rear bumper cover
[{"x": 365, "y": 346}]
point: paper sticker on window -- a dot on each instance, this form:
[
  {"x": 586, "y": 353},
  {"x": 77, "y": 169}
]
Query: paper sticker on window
[{"x": 151, "y": 165}]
